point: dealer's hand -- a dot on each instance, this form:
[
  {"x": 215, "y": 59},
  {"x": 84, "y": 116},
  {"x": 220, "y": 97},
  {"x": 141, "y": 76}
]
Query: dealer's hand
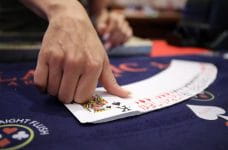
[
  {"x": 72, "y": 59},
  {"x": 113, "y": 28}
]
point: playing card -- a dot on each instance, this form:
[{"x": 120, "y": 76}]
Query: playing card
[
  {"x": 180, "y": 81},
  {"x": 103, "y": 108}
]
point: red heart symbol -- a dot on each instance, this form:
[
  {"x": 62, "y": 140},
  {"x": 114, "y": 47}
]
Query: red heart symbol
[
  {"x": 4, "y": 142},
  {"x": 9, "y": 130},
  {"x": 226, "y": 123}
]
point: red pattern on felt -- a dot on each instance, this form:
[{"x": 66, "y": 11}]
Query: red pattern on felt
[
  {"x": 226, "y": 123},
  {"x": 162, "y": 48},
  {"x": 9, "y": 130},
  {"x": 4, "y": 142}
]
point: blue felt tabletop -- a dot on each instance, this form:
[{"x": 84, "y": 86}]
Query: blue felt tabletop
[{"x": 44, "y": 123}]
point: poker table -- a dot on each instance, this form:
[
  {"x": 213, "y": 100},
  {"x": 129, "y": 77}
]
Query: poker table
[{"x": 30, "y": 119}]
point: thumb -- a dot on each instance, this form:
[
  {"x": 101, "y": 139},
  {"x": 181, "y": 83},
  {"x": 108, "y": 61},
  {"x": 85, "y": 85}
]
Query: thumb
[{"x": 109, "y": 82}]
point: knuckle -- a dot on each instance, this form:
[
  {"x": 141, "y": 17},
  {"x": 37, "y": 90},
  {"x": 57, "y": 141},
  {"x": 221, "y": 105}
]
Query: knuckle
[
  {"x": 45, "y": 53},
  {"x": 57, "y": 57},
  {"x": 94, "y": 65},
  {"x": 73, "y": 61}
]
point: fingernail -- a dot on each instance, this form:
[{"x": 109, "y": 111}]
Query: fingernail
[{"x": 128, "y": 93}]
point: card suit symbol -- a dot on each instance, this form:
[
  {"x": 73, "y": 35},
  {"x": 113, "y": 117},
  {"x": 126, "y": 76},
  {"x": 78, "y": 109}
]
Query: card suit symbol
[
  {"x": 116, "y": 103},
  {"x": 208, "y": 112},
  {"x": 142, "y": 101},
  {"x": 4, "y": 142},
  {"x": 124, "y": 108},
  {"x": 9, "y": 130},
  {"x": 108, "y": 106},
  {"x": 20, "y": 135}
]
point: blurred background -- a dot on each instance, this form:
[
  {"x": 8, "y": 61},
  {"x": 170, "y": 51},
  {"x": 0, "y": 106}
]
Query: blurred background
[
  {"x": 200, "y": 23},
  {"x": 151, "y": 18}
]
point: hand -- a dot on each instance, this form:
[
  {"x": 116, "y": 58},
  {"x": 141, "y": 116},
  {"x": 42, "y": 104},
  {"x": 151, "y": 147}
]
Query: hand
[
  {"x": 113, "y": 27},
  {"x": 72, "y": 60}
]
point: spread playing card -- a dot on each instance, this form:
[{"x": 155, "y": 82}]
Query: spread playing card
[{"x": 180, "y": 81}]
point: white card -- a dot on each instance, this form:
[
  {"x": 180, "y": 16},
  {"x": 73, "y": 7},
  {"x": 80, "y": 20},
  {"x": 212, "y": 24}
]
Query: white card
[{"x": 180, "y": 81}]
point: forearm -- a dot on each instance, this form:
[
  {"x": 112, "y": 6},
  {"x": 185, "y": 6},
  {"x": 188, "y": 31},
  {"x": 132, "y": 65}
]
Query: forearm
[{"x": 50, "y": 8}]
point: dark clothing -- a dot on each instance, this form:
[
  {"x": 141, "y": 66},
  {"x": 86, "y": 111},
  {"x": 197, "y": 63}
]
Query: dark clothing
[
  {"x": 210, "y": 12},
  {"x": 14, "y": 16},
  {"x": 20, "y": 28},
  {"x": 204, "y": 24}
]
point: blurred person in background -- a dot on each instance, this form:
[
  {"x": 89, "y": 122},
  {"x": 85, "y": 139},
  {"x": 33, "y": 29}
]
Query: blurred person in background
[
  {"x": 203, "y": 24},
  {"x": 155, "y": 4}
]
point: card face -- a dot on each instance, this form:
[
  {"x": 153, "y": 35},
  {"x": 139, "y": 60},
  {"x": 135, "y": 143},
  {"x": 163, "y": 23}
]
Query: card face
[
  {"x": 180, "y": 81},
  {"x": 102, "y": 108}
]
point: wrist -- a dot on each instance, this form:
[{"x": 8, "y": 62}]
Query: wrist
[
  {"x": 62, "y": 9},
  {"x": 49, "y": 9},
  {"x": 73, "y": 16}
]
